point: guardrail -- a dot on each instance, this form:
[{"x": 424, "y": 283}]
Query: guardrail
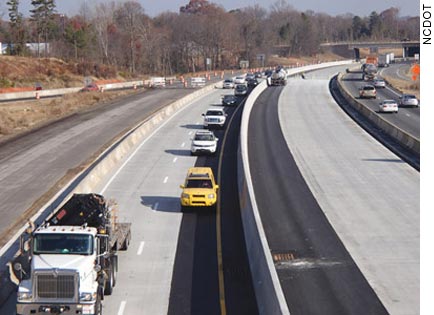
[
  {"x": 268, "y": 291},
  {"x": 404, "y": 138},
  {"x": 59, "y": 92}
]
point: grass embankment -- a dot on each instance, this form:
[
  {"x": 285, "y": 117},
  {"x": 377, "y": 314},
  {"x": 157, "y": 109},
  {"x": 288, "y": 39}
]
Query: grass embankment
[{"x": 19, "y": 74}]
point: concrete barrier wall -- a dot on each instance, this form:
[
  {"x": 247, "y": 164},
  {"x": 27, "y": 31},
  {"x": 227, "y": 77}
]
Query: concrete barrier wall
[
  {"x": 129, "y": 143},
  {"x": 269, "y": 294},
  {"x": 88, "y": 180},
  {"x": 395, "y": 132}
]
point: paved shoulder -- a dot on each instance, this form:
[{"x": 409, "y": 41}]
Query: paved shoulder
[{"x": 368, "y": 194}]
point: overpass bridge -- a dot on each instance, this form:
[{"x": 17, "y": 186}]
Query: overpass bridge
[{"x": 409, "y": 48}]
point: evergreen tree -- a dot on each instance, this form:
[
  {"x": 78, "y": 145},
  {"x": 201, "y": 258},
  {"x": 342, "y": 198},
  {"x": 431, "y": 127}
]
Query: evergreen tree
[
  {"x": 17, "y": 43},
  {"x": 42, "y": 15}
]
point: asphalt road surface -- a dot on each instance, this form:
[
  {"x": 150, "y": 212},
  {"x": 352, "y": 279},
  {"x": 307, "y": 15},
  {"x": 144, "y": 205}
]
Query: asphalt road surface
[
  {"x": 341, "y": 212},
  {"x": 33, "y": 164},
  {"x": 408, "y": 119}
]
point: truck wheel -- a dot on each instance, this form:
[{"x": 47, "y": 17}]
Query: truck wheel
[
  {"x": 108, "y": 287},
  {"x": 115, "y": 273},
  {"x": 98, "y": 306}
]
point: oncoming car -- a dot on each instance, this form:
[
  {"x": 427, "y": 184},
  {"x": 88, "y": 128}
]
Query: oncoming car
[
  {"x": 229, "y": 100},
  {"x": 199, "y": 189},
  {"x": 389, "y": 106},
  {"x": 214, "y": 117},
  {"x": 204, "y": 141},
  {"x": 228, "y": 84},
  {"x": 240, "y": 90},
  {"x": 240, "y": 80}
]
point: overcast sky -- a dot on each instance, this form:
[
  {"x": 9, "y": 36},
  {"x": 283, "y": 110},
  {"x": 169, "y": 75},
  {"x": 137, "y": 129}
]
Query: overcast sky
[{"x": 332, "y": 7}]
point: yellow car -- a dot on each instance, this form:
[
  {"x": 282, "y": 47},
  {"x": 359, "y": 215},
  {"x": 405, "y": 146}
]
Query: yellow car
[{"x": 200, "y": 188}]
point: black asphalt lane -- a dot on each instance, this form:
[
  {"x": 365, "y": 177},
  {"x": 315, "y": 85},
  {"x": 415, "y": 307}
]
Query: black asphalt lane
[
  {"x": 317, "y": 274},
  {"x": 404, "y": 153},
  {"x": 195, "y": 281}
]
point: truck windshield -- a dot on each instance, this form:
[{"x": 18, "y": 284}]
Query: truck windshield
[{"x": 62, "y": 243}]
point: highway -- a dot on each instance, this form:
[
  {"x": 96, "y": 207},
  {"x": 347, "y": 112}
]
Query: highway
[
  {"x": 172, "y": 263},
  {"x": 340, "y": 205},
  {"x": 397, "y": 71},
  {"x": 408, "y": 119},
  {"x": 341, "y": 212},
  {"x": 48, "y": 158}
]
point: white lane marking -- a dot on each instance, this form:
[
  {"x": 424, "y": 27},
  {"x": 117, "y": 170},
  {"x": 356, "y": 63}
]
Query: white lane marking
[
  {"x": 408, "y": 115},
  {"x": 190, "y": 133},
  {"x": 396, "y": 93},
  {"x": 122, "y": 308},
  {"x": 156, "y": 205},
  {"x": 140, "y": 146},
  {"x": 165, "y": 179},
  {"x": 183, "y": 145},
  {"x": 140, "y": 250},
  {"x": 175, "y": 159}
]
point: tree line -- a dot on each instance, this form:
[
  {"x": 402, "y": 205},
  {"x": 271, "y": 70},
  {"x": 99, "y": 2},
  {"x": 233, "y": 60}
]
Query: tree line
[{"x": 201, "y": 35}]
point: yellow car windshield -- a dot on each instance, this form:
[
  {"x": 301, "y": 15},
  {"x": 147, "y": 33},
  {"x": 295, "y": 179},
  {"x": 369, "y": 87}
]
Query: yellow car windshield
[{"x": 199, "y": 183}]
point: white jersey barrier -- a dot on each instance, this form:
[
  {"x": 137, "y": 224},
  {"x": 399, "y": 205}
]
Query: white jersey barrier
[{"x": 198, "y": 82}]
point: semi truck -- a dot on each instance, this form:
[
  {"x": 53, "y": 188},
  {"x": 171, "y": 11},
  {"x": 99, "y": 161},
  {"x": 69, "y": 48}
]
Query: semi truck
[
  {"x": 369, "y": 71},
  {"x": 278, "y": 77},
  {"x": 384, "y": 60},
  {"x": 68, "y": 263}
]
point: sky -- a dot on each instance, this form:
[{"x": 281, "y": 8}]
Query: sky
[{"x": 331, "y": 7}]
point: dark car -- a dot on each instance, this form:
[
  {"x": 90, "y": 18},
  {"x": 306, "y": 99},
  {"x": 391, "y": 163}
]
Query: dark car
[
  {"x": 258, "y": 75},
  {"x": 268, "y": 73},
  {"x": 240, "y": 90},
  {"x": 252, "y": 83},
  {"x": 229, "y": 100}
]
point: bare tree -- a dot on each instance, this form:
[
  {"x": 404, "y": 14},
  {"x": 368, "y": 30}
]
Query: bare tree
[
  {"x": 103, "y": 19},
  {"x": 130, "y": 18}
]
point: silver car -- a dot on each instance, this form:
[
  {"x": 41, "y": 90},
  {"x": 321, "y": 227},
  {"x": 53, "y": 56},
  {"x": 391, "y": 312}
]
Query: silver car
[
  {"x": 408, "y": 100},
  {"x": 379, "y": 83}
]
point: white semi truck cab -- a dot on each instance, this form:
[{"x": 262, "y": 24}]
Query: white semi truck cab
[{"x": 71, "y": 267}]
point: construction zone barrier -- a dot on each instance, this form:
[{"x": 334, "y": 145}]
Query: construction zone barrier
[
  {"x": 198, "y": 82},
  {"x": 158, "y": 82}
]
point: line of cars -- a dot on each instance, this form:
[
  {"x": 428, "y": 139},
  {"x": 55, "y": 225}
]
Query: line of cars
[
  {"x": 200, "y": 188},
  {"x": 387, "y": 105}
]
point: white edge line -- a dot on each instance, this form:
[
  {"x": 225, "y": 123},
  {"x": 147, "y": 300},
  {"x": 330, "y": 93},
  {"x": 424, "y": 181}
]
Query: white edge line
[
  {"x": 20, "y": 231},
  {"x": 140, "y": 146}
]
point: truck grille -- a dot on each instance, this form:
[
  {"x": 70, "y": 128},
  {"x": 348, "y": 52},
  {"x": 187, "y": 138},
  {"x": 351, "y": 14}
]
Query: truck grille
[{"x": 50, "y": 286}]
